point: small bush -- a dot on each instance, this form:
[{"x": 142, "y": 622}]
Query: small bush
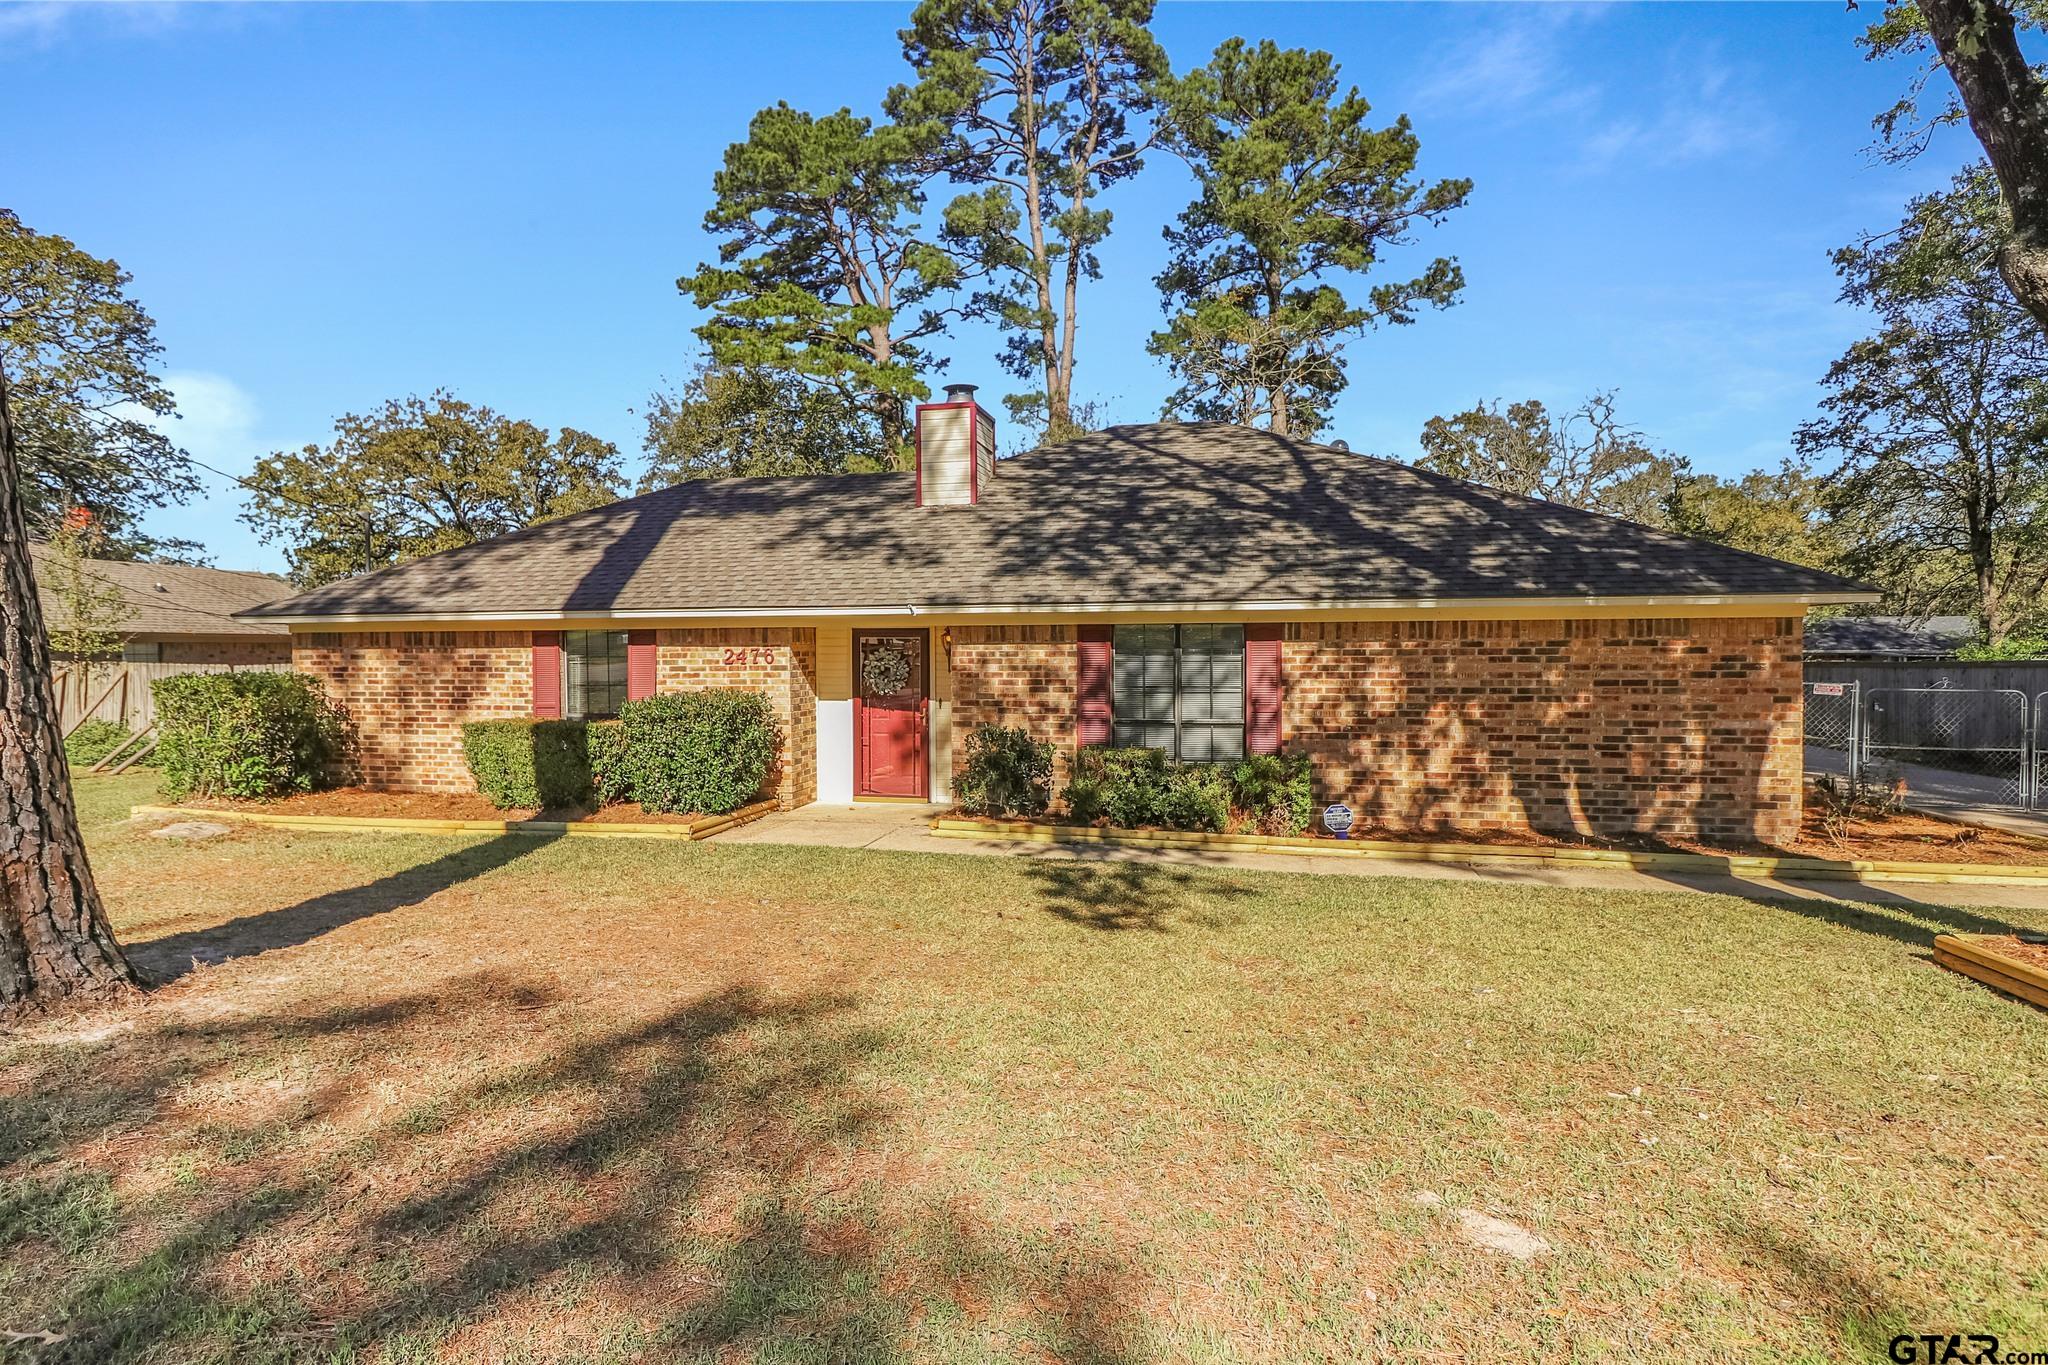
[
  {"x": 93, "y": 741},
  {"x": 528, "y": 764},
  {"x": 611, "y": 781},
  {"x": 1274, "y": 793},
  {"x": 1134, "y": 787},
  {"x": 704, "y": 752},
  {"x": 1122, "y": 785},
  {"x": 1007, "y": 772},
  {"x": 1193, "y": 796},
  {"x": 1086, "y": 795},
  {"x": 248, "y": 735}
]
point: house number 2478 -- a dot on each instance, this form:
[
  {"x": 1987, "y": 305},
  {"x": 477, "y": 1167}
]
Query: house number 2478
[{"x": 740, "y": 658}]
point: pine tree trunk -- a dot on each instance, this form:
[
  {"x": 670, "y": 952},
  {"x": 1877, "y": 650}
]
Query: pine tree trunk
[{"x": 54, "y": 939}]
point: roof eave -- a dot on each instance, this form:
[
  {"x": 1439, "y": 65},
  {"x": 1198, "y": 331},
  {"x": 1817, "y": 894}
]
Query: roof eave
[{"x": 1662, "y": 602}]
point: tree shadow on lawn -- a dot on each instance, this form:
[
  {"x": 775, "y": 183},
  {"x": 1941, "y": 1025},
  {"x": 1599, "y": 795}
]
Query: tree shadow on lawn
[
  {"x": 1873, "y": 909},
  {"x": 1864, "y": 1314},
  {"x": 710, "y": 1179},
  {"x": 1110, "y": 890},
  {"x": 164, "y": 960}
]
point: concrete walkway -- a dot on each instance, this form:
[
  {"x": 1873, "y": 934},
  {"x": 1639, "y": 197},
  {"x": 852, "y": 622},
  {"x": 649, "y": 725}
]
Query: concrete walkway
[{"x": 906, "y": 829}]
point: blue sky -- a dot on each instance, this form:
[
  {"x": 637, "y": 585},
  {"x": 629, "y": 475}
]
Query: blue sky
[{"x": 325, "y": 206}]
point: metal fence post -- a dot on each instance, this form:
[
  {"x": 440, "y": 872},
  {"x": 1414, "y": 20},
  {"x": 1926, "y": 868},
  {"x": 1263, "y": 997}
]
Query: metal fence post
[{"x": 1855, "y": 737}]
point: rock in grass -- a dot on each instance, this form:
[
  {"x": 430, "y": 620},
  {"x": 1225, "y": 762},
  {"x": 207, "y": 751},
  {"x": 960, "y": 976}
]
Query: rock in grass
[
  {"x": 1487, "y": 1233},
  {"x": 190, "y": 829},
  {"x": 1497, "y": 1234}
]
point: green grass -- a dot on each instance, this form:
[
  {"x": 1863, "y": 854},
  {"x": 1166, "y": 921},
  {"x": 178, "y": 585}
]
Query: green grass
[{"x": 515, "y": 1099}]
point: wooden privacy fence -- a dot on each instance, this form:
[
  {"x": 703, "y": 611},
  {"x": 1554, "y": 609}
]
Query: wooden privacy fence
[{"x": 120, "y": 692}]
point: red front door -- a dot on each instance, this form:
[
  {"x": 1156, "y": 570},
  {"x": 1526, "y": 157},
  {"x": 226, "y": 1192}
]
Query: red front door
[{"x": 890, "y": 713}]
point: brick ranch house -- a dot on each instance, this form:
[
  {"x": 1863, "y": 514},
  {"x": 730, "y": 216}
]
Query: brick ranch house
[
  {"x": 1452, "y": 657},
  {"x": 178, "y": 613}
]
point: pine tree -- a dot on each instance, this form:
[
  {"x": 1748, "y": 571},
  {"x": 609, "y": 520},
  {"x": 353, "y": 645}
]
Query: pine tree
[
  {"x": 1296, "y": 189},
  {"x": 824, "y": 270},
  {"x": 1045, "y": 104},
  {"x": 54, "y": 938}
]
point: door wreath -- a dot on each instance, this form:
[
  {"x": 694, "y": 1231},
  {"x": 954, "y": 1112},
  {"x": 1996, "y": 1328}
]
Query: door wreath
[{"x": 884, "y": 667}]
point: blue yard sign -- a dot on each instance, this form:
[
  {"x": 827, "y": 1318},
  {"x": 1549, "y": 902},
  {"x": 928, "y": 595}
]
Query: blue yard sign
[{"x": 1337, "y": 820}]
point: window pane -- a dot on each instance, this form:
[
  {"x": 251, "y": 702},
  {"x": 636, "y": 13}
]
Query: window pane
[
  {"x": 1180, "y": 689},
  {"x": 594, "y": 672}
]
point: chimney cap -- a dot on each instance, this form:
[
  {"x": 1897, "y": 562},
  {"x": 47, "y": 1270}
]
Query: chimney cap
[{"x": 960, "y": 393}]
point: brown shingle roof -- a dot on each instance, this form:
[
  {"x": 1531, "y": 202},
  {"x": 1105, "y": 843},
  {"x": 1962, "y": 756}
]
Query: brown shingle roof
[
  {"x": 1163, "y": 514},
  {"x": 173, "y": 599}
]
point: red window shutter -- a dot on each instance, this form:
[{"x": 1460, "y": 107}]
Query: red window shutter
[
  {"x": 1093, "y": 661},
  {"x": 1262, "y": 690},
  {"x": 639, "y": 664},
  {"x": 547, "y": 674}
]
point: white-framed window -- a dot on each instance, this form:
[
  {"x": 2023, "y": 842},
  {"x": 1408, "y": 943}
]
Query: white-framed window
[
  {"x": 1179, "y": 689},
  {"x": 593, "y": 673},
  {"x": 142, "y": 651}
]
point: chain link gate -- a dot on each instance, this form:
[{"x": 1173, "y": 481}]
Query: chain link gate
[
  {"x": 1834, "y": 724},
  {"x": 2040, "y": 773},
  {"x": 1972, "y": 745}
]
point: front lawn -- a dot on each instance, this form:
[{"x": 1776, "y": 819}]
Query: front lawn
[{"x": 513, "y": 1099}]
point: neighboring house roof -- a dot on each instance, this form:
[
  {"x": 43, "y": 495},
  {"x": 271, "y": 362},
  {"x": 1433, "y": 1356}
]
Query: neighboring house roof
[
  {"x": 1905, "y": 637},
  {"x": 1162, "y": 515},
  {"x": 172, "y": 599}
]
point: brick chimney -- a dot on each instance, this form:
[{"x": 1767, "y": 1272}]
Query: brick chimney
[{"x": 956, "y": 449}]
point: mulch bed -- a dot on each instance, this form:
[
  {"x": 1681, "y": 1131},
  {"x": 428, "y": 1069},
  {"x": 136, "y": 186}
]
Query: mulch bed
[
  {"x": 2006, "y": 945},
  {"x": 1905, "y": 837},
  {"x": 361, "y": 803}
]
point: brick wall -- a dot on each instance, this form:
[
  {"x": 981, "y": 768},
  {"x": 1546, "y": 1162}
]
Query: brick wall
[
  {"x": 1685, "y": 728},
  {"x": 1014, "y": 675},
  {"x": 408, "y": 693},
  {"x": 779, "y": 661},
  {"x": 260, "y": 652}
]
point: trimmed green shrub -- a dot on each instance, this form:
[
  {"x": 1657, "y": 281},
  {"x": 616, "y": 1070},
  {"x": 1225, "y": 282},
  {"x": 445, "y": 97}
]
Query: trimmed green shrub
[
  {"x": 528, "y": 764},
  {"x": 610, "y": 779},
  {"x": 1193, "y": 796},
  {"x": 703, "y": 752},
  {"x": 1131, "y": 788},
  {"x": 1122, "y": 785},
  {"x": 1275, "y": 793},
  {"x": 246, "y": 734},
  {"x": 1007, "y": 772},
  {"x": 94, "y": 740}
]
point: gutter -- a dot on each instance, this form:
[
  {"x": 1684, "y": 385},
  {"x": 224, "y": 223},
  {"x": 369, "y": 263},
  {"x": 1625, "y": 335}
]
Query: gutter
[{"x": 1363, "y": 606}]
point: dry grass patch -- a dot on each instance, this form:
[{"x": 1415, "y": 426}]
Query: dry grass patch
[{"x": 508, "y": 1099}]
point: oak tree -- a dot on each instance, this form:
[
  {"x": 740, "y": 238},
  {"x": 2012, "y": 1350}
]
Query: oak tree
[
  {"x": 1586, "y": 458},
  {"x": 728, "y": 423},
  {"x": 1781, "y": 513},
  {"x": 1940, "y": 417},
  {"x": 2004, "y": 98},
  {"x": 87, "y": 393},
  {"x": 1297, "y": 193},
  {"x": 420, "y": 475}
]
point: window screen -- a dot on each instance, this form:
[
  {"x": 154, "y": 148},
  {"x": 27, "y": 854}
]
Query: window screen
[
  {"x": 142, "y": 652},
  {"x": 1180, "y": 689},
  {"x": 594, "y": 673}
]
